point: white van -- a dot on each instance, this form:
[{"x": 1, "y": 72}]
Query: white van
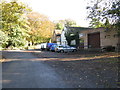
[{"x": 43, "y": 46}]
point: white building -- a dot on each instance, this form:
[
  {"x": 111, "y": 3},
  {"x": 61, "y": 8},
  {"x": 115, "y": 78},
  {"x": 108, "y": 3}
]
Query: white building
[{"x": 63, "y": 38}]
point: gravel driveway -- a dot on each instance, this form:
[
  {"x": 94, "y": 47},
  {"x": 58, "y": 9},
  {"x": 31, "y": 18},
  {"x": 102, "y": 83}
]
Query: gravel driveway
[{"x": 42, "y": 69}]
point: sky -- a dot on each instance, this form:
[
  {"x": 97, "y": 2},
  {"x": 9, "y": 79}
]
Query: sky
[{"x": 61, "y": 9}]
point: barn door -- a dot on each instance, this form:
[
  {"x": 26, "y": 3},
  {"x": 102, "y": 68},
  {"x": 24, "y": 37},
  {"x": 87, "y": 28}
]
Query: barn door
[{"x": 94, "y": 40}]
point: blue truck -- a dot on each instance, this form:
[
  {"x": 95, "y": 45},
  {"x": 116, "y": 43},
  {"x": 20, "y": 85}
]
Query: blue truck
[
  {"x": 49, "y": 45},
  {"x": 46, "y": 46}
]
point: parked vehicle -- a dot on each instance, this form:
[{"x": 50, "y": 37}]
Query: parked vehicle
[
  {"x": 52, "y": 48},
  {"x": 69, "y": 49},
  {"x": 49, "y": 45},
  {"x": 43, "y": 46},
  {"x": 61, "y": 48}
]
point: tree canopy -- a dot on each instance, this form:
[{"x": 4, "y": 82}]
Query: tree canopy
[
  {"x": 67, "y": 22},
  {"x": 20, "y": 26},
  {"x": 14, "y": 23},
  {"x": 41, "y": 28},
  {"x": 104, "y": 13}
]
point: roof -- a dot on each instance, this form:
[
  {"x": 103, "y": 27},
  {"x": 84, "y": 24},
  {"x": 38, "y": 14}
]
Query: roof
[{"x": 79, "y": 28}]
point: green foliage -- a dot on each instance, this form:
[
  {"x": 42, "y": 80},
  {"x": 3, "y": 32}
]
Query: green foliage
[
  {"x": 18, "y": 29},
  {"x": 67, "y": 23},
  {"x": 59, "y": 26},
  {"x": 104, "y": 13},
  {"x": 114, "y": 12},
  {"x": 72, "y": 33},
  {"x": 95, "y": 23},
  {"x": 68, "y": 37},
  {"x": 14, "y": 23},
  {"x": 3, "y": 39}
]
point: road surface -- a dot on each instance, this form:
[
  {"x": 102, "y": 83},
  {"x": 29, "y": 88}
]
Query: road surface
[{"x": 24, "y": 69}]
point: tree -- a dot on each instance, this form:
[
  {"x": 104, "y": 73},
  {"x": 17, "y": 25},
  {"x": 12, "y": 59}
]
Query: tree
[
  {"x": 114, "y": 13},
  {"x": 41, "y": 28},
  {"x": 59, "y": 26},
  {"x": 67, "y": 22},
  {"x": 96, "y": 23},
  {"x": 14, "y": 22},
  {"x": 104, "y": 13},
  {"x": 3, "y": 39}
]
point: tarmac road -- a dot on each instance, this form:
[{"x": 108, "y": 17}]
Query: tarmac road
[
  {"x": 21, "y": 72},
  {"x": 23, "y": 69}
]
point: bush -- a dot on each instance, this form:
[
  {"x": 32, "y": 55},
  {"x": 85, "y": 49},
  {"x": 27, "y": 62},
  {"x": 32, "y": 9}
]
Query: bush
[{"x": 109, "y": 48}]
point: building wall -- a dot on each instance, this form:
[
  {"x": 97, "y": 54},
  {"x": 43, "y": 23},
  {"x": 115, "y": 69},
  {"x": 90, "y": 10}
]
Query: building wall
[
  {"x": 56, "y": 36},
  {"x": 53, "y": 37},
  {"x": 107, "y": 38},
  {"x": 63, "y": 38},
  {"x": 58, "y": 39}
]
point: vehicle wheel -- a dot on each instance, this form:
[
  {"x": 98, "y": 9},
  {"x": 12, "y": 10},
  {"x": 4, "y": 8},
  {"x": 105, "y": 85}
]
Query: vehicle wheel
[
  {"x": 57, "y": 51},
  {"x": 74, "y": 50},
  {"x": 62, "y": 51}
]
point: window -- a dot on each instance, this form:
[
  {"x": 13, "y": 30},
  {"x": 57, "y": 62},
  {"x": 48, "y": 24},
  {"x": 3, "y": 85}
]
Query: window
[
  {"x": 107, "y": 36},
  {"x": 115, "y": 35},
  {"x": 81, "y": 35}
]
